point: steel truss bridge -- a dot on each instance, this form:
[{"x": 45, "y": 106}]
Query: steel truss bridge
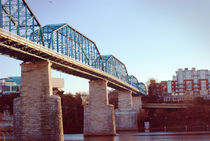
[{"x": 22, "y": 37}]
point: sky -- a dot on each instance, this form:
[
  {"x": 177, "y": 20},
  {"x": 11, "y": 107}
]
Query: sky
[{"x": 153, "y": 38}]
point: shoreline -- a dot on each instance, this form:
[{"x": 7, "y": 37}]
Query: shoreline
[{"x": 174, "y": 133}]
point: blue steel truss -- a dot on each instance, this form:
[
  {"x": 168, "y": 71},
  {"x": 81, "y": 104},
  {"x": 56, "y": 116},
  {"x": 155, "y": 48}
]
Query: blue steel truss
[
  {"x": 17, "y": 17},
  {"x": 139, "y": 85},
  {"x": 142, "y": 88},
  {"x": 66, "y": 40},
  {"x": 133, "y": 80},
  {"x": 115, "y": 67}
]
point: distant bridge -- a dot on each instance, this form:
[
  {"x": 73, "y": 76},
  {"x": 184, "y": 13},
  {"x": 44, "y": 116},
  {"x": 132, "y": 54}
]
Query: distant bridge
[{"x": 165, "y": 106}]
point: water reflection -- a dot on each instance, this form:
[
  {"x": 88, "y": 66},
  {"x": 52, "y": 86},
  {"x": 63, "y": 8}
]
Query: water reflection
[
  {"x": 103, "y": 138},
  {"x": 135, "y": 136}
]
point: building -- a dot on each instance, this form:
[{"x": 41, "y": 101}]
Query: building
[
  {"x": 13, "y": 85},
  {"x": 155, "y": 88},
  {"x": 10, "y": 85},
  {"x": 187, "y": 84},
  {"x": 164, "y": 87}
]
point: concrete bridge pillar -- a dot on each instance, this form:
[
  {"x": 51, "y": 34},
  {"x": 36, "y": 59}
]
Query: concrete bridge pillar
[
  {"x": 99, "y": 116},
  {"x": 137, "y": 104},
  {"x": 37, "y": 113},
  {"x": 126, "y": 117}
]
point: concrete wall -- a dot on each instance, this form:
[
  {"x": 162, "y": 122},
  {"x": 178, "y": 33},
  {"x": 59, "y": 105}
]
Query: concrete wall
[
  {"x": 126, "y": 114},
  {"x": 37, "y": 114},
  {"x": 137, "y": 103},
  {"x": 58, "y": 83},
  {"x": 99, "y": 116}
]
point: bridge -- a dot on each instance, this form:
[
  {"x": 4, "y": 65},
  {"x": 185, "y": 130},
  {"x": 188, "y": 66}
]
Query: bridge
[
  {"x": 37, "y": 113},
  {"x": 165, "y": 106}
]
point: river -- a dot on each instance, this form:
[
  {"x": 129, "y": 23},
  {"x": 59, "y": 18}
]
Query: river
[{"x": 136, "y": 136}]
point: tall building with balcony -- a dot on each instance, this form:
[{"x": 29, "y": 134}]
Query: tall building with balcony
[
  {"x": 188, "y": 82},
  {"x": 193, "y": 82},
  {"x": 10, "y": 85}
]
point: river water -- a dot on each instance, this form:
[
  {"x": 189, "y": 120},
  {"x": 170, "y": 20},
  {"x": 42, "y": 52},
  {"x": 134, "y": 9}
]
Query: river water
[{"x": 136, "y": 136}]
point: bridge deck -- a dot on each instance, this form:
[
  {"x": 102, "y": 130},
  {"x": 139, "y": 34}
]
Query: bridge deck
[
  {"x": 164, "y": 106},
  {"x": 25, "y": 50}
]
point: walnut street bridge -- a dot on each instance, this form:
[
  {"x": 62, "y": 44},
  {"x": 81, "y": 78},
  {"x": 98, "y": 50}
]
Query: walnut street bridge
[{"x": 37, "y": 113}]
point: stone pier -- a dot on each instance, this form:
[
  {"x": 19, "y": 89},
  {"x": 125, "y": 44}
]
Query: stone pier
[
  {"x": 37, "y": 113},
  {"x": 137, "y": 104},
  {"x": 126, "y": 115},
  {"x": 99, "y": 116}
]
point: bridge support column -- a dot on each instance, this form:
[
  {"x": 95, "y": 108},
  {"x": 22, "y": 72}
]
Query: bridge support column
[
  {"x": 137, "y": 104},
  {"x": 37, "y": 114},
  {"x": 99, "y": 116},
  {"x": 126, "y": 117}
]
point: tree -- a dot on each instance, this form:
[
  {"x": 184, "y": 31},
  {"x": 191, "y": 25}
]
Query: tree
[
  {"x": 113, "y": 98},
  {"x": 6, "y": 102},
  {"x": 72, "y": 110}
]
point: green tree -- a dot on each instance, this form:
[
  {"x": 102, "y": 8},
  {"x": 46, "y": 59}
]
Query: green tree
[{"x": 72, "y": 111}]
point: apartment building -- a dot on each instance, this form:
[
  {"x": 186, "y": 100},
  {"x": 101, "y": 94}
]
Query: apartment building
[{"x": 189, "y": 83}]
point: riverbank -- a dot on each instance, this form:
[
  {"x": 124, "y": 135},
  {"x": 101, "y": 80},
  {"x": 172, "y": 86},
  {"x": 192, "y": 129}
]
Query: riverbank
[
  {"x": 136, "y": 136},
  {"x": 152, "y": 136},
  {"x": 173, "y": 133}
]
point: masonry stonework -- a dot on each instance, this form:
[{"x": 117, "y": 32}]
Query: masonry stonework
[
  {"x": 126, "y": 114},
  {"x": 137, "y": 103},
  {"x": 99, "y": 116},
  {"x": 37, "y": 113}
]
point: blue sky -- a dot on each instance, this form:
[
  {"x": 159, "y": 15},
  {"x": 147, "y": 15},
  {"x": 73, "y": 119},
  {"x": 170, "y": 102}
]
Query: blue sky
[{"x": 153, "y": 38}]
